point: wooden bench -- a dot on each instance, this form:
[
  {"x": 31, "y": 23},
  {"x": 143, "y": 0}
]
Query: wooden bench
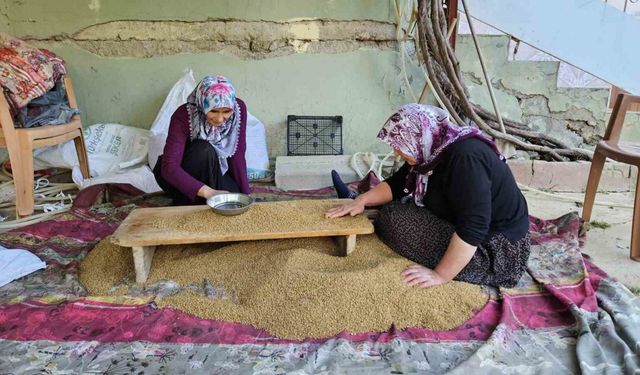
[{"x": 141, "y": 231}]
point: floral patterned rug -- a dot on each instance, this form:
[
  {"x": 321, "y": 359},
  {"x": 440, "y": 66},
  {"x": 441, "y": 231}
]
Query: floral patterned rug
[{"x": 565, "y": 315}]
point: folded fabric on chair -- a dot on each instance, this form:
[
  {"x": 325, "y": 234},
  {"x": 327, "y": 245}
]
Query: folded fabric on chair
[
  {"x": 51, "y": 108},
  {"x": 26, "y": 72}
]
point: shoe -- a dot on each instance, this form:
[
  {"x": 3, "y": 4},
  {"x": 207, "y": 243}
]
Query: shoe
[{"x": 342, "y": 189}]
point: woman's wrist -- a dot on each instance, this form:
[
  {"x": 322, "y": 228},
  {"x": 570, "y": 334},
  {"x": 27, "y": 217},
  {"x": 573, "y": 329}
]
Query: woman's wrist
[
  {"x": 205, "y": 192},
  {"x": 361, "y": 199}
]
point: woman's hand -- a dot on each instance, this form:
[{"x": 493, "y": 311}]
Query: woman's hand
[
  {"x": 206, "y": 192},
  {"x": 377, "y": 196},
  {"x": 216, "y": 192},
  {"x": 457, "y": 256},
  {"x": 356, "y": 207},
  {"x": 421, "y": 277}
]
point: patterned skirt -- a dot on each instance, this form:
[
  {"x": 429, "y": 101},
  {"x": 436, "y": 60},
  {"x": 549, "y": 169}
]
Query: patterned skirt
[{"x": 422, "y": 237}]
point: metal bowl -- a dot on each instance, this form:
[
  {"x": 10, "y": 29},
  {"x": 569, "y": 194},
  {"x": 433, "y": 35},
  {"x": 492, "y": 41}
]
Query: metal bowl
[{"x": 230, "y": 204}]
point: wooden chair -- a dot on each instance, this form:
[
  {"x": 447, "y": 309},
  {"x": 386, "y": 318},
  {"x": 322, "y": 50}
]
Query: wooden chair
[
  {"x": 21, "y": 142},
  {"x": 611, "y": 147}
]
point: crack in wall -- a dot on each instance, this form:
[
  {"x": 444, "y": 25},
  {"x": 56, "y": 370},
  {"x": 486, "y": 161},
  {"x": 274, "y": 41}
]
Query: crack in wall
[
  {"x": 231, "y": 30},
  {"x": 246, "y": 39},
  {"x": 4, "y": 14},
  {"x": 470, "y": 76},
  {"x": 244, "y": 50},
  {"x": 580, "y": 122}
]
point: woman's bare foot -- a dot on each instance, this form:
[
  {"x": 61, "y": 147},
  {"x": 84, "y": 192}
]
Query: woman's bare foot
[{"x": 421, "y": 277}]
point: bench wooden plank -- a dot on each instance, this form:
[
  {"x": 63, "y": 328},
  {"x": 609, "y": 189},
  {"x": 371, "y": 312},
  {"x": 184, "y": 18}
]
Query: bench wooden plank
[
  {"x": 138, "y": 228},
  {"x": 142, "y": 231}
]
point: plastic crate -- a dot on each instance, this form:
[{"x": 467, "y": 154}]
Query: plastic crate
[{"x": 314, "y": 135}]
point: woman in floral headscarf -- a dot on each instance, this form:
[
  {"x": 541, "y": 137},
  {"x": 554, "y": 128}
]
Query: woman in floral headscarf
[
  {"x": 467, "y": 219},
  {"x": 204, "y": 152}
]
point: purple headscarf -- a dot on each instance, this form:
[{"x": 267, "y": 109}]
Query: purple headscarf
[
  {"x": 211, "y": 93},
  {"x": 424, "y": 132}
]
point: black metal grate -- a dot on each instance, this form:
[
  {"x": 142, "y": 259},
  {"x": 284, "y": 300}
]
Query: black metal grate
[{"x": 314, "y": 135}]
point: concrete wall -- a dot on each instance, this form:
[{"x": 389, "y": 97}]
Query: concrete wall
[
  {"x": 527, "y": 91},
  {"x": 336, "y": 57},
  {"x": 316, "y": 57}
]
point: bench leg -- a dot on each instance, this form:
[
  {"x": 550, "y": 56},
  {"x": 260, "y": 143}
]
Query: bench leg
[
  {"x": 346, "y": 244},
  {"x": 142, "y": 257}
]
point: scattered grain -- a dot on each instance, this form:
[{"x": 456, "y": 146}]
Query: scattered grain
[
  {"x": 106, "y": 267},
  {"x": 293, "y": 288}
]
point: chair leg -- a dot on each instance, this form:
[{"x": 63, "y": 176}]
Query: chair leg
[
  {"x": 23, "y": 179},
  {"x": 81, "y": 151},
  {"x": 634, "y": 249},
  {"x": 16, "y": 170},
  {"x": 597, "y": 164}
]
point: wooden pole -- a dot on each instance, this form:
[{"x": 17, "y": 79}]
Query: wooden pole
[{"x": 452, "y": 15}]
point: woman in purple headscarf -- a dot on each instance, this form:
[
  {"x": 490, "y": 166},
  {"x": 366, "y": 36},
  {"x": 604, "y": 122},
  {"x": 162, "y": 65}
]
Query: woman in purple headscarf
[
  {"x": 206, "y": 143},
  {"x": 466, "y": 218}
]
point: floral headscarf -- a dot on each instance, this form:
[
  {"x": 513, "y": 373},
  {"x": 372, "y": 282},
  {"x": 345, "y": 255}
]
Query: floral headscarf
[
  {"x": 424, "y": 132},
  {"x": 211, "y": 93}
]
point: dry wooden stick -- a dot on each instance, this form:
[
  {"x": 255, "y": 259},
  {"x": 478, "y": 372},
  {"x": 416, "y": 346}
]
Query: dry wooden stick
[{"x": 443, "y": 69}]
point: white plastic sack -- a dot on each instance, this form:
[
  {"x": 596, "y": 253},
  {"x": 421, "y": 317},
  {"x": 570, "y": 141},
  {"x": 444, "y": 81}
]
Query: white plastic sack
[
  {"x": 110, "y": 148},
  {"x": 15, "y": 263},
  {"x": 160, "y": 128},
  {"x": 256, "y": 155},
  {"x": 141, "y": 178}
]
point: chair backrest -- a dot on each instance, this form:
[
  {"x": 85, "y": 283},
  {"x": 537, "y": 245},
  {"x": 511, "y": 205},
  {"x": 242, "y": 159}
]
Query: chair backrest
[
  {"x": 71, "y": 95},
  {"x": 616, "y": 121}
]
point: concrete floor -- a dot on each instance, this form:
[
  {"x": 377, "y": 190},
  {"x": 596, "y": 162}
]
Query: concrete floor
[{"x": 609, "y": 248}]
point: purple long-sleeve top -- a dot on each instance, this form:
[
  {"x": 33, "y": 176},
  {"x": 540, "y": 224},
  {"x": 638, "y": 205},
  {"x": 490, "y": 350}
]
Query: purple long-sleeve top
[{"x": 179, "y": 134}]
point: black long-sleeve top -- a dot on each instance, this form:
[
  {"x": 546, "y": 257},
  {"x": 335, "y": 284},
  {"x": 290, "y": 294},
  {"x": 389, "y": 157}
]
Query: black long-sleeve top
[{"x": 474, "y": 190}]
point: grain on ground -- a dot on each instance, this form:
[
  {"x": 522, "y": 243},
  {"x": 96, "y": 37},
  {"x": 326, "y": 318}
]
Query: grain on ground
[{"x": 293, "y": 288}]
